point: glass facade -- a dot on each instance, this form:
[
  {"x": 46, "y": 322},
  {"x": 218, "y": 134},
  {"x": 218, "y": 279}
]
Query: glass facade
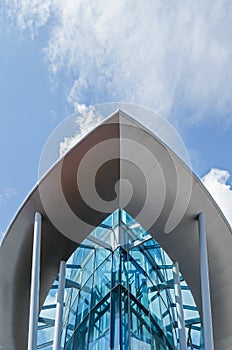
[{"x": 119, "y": 294}]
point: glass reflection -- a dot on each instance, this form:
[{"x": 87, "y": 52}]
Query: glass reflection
[{"x": 123, "y": 297}]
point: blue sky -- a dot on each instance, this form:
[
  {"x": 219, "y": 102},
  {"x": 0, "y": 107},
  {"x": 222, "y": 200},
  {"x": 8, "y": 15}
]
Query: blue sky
[{"x": 174, "y": 58}]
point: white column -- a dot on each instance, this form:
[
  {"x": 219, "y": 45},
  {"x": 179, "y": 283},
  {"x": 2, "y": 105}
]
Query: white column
[
  {"x": 205, "y": 289},
  {"x": 179, "y": 307},
  {"x": 35, "y": 277},
  {"x": 59, "y": 308}
]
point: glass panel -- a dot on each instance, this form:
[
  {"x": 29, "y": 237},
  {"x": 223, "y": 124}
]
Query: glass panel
[
  {"x": 154, "y": 303},
  {"x": 84, "y": 301},
  {"x": 87, "y": 267},
  {"x": 101, "y": 255},
  {"x": 140, "y": 326},
  {"x": 99, "y": 334},
  {"x": 80, "y": 339},
  {"x": 102, "y": 281}
]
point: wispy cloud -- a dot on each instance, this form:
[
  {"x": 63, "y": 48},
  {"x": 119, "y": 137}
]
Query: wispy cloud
[
  {"x": 216, "y": 181},
  {"x": 6, "y": 194},
  {"x": 175, "y": 58},
  {"x": 87, "y": 119},
  {"x": 29, "y": 14}
]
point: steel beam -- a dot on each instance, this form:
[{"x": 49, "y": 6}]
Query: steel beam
[
  {"x": 35, "y": 278},
  {"x": 205, "y": 288}
]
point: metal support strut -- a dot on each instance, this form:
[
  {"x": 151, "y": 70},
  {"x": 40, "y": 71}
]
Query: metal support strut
[
  {"x": 35, "y": 277},
  {"x": 205, "y": 289}
]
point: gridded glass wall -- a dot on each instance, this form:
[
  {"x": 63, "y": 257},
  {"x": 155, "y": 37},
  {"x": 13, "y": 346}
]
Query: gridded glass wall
[{"x": 119, "y": 294}]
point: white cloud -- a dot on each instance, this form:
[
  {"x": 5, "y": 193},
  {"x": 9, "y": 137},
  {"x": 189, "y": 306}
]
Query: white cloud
[
  {"x": 29, "y": 14},
  {"x": 174, "y": 59},
  {"x": 216, "y": 181},
  {"x": 87, "y": 119}
]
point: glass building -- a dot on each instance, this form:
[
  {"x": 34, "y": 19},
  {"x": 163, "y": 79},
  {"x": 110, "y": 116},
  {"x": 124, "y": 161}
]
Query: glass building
[
  {"x": 118, "y": 246},
  {"x": 120, "y": 294}
]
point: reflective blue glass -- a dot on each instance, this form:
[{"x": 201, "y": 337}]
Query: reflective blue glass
[{"x": 123, "y": 296}]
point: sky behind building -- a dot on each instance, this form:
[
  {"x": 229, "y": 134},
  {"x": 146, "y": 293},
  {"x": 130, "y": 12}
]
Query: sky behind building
[{"x": 172, "y": 58}]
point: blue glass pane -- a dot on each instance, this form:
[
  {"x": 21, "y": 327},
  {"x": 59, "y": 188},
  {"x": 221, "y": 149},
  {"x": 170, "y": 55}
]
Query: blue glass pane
[
  {"x": 99, "y": 334},
  {"x": 102, "y": 281}
]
